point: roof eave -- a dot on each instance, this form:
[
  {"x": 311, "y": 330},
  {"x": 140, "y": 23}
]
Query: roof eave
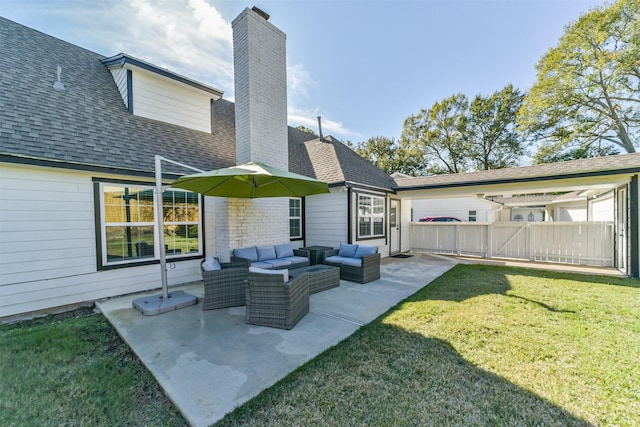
[{"x": 123, "y": 60}]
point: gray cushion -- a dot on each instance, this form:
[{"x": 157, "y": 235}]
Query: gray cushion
[
  {"x": 354, "y": 262},
  {"x": 347, "y": 250},
  {"x": 250, "y": 253},
  {"x": 336, "y": 259},
  {"x": 276, "y": 262},
  {"x": 284, "y": 250},
  {"x": 211, "y": 264},
  {"x": 266, "y": 252},
  {"x": 284, "y": 273},
  {"x": 296, "y": 259},
  {"x": 261, "y": 264},
  {"x": 365, "y": 250}
]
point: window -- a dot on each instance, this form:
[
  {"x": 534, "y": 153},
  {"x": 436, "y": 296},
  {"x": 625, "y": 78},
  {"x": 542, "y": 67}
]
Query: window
[
  {"x": 128, "y": 230},
  {"x": 295, "y": 218},
  {"x": 370, "y": 216},
  {"x": 472, "y": 216}
]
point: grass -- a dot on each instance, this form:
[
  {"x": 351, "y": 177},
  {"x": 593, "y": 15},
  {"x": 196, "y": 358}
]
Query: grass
[
  {"x": 480, "y": 345},
  {"x": 74, "y": 370}
]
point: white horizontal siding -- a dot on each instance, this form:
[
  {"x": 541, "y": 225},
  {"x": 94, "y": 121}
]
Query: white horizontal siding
[
  {"x": 160, "y": 100},
  {"x": 602, "y": 209},
  {"x": 120, "y": 77},
  {"x": 326, "y": 219},
  {"x": 457, "y": 207},
  {"x": 48, "y": 244}
]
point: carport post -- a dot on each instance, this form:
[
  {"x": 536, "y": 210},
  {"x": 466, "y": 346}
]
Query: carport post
[{"x": 634, "y": 220}]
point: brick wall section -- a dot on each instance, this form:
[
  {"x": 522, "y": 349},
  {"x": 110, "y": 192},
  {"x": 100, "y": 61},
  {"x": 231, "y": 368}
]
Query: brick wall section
[
  {"x": 259, "y": 50},
  {"x": 247, "y": 222}
]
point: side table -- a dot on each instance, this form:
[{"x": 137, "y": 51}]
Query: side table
[{"x": 316, "y": 253}]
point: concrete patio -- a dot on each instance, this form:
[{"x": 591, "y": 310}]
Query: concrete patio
[{"x": 209, "y": 362}]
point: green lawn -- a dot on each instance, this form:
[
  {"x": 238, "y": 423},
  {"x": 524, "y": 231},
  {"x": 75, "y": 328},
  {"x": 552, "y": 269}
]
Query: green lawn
[
  {"x": 74, "y": 370},
  {"x": 479, "y": 346}
]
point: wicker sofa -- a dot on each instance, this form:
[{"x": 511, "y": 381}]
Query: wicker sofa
[
  {"x": 274, "y": 301},
  {"x": 224, "y": 286},
  {"x": 271, "y": 256},
  {"x": 358, "y": 263}
]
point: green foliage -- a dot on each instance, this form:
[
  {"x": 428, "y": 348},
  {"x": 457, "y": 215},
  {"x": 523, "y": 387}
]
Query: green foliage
[
  {"x": 389, "y": 155},
  {"x": 586, "y": 100},
  {"x": 306, "y": 129},
  {"x": 491, "y": 130},
  {"x": 456, "y": 135}
]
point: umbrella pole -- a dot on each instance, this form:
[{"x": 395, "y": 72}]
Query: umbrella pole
[
  {"x": 160, "y": 221},
  {"x": 157, "y": 304}
]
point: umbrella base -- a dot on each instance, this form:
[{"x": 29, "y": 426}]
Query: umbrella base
[{"x": 155, "y": 304}]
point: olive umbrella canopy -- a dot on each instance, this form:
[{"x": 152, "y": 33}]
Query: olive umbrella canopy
[{"x": 251, "y": 180}]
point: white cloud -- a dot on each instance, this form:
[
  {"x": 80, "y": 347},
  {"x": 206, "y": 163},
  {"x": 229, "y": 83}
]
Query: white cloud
[
  {"x": 309, "y": 118},
  {"x": 299, "y": 80}
]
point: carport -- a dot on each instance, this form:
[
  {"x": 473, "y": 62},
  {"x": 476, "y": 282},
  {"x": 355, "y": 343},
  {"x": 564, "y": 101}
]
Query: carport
[{"x": 619, "y": 174}]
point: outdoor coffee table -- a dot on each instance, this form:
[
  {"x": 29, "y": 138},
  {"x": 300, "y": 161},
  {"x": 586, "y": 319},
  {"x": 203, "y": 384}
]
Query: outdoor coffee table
[{"x": 321, "y": 277}]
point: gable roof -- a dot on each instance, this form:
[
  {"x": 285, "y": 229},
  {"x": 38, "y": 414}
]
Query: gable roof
[
  {"x": 87, "y": 125},
  {"x": 621, "y": 164},
  {"x": 333, "y": 162}
]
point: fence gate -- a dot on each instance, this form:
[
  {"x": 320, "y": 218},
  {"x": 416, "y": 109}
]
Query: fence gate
[{"x": 582, "y": 243}]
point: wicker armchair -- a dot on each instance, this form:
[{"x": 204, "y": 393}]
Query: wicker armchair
[
  {"x": 272, "y": 302},
  {"x": 224, "y": 288},
  {"x": 368, "y": 271}
]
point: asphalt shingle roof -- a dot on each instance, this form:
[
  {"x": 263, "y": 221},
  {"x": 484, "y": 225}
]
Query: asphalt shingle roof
[
  {"x": 623, "y": 163},
  {"x": 333, "y": 162},
  {"x": 87, "y": 126}
]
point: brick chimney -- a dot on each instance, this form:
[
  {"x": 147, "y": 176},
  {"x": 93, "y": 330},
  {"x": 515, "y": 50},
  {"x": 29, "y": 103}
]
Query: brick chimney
[
  {"x": 260, "y": 73},
  {"x": 260, "y": 70}
]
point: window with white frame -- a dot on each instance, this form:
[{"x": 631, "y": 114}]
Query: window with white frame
[
  {"x": 370, "y": 216},
  {"x": 128, "y": 230},
  {"x": 295, "y": 218}
]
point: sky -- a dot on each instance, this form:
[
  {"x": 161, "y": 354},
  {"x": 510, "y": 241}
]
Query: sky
[{"x": 364, "y": 66}]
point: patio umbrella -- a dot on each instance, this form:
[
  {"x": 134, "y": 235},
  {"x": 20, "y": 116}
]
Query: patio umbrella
[{"x": 251, "y": 180}]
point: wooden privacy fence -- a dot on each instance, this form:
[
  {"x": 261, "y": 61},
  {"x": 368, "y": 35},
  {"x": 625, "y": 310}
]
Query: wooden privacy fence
[{"x": 583, "y": 243}]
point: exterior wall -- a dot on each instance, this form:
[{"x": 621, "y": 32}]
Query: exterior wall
[
  {"x": 48, "y": 244},
  {"x": 247, "y": 222},
  {"x": 405, "y": 225},
  {"x": 161, "y": 100},
  {"x": 326, "y": 219},
  {"x": 601, "y": 209},
  {"x": 120, "y": 77},
  {"x": 457, "y": 207},
  {"x": 576, "y": 211}
]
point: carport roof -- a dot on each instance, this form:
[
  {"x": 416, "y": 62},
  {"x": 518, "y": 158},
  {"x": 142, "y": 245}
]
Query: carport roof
[{"x": 623, "y": 164}]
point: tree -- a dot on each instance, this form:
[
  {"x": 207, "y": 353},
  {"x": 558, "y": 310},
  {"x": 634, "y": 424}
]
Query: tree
[
  {"x": 440, "y": 134},
  {"x": 389, "y": 155},
  {"x": 306, "y": 129},
  {"x": 586, "y": 98},
  {"x": 456, "y": 135},
  {"x": 491, "y": 130}
]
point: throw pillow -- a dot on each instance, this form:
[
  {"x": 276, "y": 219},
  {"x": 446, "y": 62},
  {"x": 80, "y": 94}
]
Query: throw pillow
[
  {"x": 347, "y": 250},
  {"x": 365, "y": 250},
  {"x": 250, "y": 253},
  {"x": 211, "y": 264},
  {"x": 284, "y": 250},
  {"x": 266, "y": 252}
]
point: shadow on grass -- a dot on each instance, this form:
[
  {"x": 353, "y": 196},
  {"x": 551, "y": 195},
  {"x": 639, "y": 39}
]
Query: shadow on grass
[
  {"x": 540, "y": 304},
  {"x": 473, "y": 280},
  {"x": 385, "y": 375}
]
